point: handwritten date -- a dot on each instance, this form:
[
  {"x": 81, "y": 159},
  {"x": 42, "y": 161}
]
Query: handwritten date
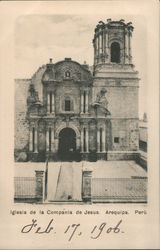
[{"x": 72, "y": 230}]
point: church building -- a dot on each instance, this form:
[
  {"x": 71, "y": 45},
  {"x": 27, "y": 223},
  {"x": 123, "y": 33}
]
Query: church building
[{"x": 66, "y": 112}]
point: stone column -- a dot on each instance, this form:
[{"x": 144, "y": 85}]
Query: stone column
[
  {"x": 87, "y": 185},
  {"x": 129, "y": 48},
  {"x": 48, "y": 103},
  {"x": 97, "y": 53},
  {"x": 78, "y": 143},
  {"x": 107, "y": 47},
  {"x": 56, "y": 141},
  {"x": 98, "y": 46},
  {"x": 82, "y": 140},
  {"x": 98, "y": 140},
  {"x": 104, "y": 42},
  {"x": 82, "y": 102},
  {"x": 86, "y": 102},
  {"x": 126, "y": 47},
  {"x": 47, "y": 139},
  {"x": 52, "y": 138},
  {"x": 103, "y": 140},
  {"x": 35, "y": 140},
  {"x": 31, "y": 139},
  {"x": 53, "y": 103},
  {"x": 100, "y": 43},
  {"x": 87, "y": 142},
  {"x": 40, "y": 185}
]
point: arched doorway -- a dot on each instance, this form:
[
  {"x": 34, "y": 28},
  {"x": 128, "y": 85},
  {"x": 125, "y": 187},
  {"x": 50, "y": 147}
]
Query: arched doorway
[
  {"x": 115, "y": 52},
  {"x": 67, "y": 144}
]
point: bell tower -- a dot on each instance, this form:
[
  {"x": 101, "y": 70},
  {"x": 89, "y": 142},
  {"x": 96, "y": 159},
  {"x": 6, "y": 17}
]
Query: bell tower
[
  {"x": 115, "y": 88},
  {"x": 112, "y": 42}
]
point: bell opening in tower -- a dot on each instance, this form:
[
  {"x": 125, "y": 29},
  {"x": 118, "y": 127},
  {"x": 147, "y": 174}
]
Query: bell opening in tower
[{"x": 115, "y": 52}]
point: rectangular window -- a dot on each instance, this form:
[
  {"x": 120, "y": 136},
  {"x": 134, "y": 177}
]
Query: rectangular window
[
  {"x": 67, "y": 105},
  {"x": 116, "y": 139}
]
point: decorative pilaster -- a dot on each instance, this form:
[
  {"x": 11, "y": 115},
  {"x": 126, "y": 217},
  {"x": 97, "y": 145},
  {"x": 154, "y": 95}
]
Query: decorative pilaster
[
  {"x": 53, "y": 103},
  {"x": 103, "y": 140},
  {"x": 82, "y": 102},
  {"x": 104, "y": 42},
  {"x": 52, "y": 138},
  {"x": 100, "y": 42},
  {"x": 35, "y": 139},
  {"x": 86, "y": 102},
  {"x": 98, "y": 140},
  {"x": 87, "y": 185},
  {"x": 87, "y": 141},
  {"x": 78, "y": 143},
  {"x": 47, "y": 139},
  {"x": 48, "y": 103},
  {"x": 126, "y": 47},
  {"x": 107, "y": 46},
  {"x": 97, "y": 53},
  {"x": 31, "y": 139},
  {"x": 82, "y": 140},
  {"x": 98, "y": 47},
  {"x": 40, "y": 185},
  {"x": 129, "y": 48}
]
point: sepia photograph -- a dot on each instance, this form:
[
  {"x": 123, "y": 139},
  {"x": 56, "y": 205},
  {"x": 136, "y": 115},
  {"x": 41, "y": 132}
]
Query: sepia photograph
[
  {"x": 80, "y": 132},
  {"x": 79, "y": 108}
]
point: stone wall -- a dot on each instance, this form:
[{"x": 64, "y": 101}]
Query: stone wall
[
  {"x": 122, "y": 101},
  {"x": 124, "y": 135},
  {"x": 37, "y": 81},
  {"x": 21, "y": 126}
]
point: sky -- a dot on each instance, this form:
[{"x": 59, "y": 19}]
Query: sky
[{"x": 40, "y": 37}]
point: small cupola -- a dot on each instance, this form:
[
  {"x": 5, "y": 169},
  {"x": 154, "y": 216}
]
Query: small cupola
[{"x": 112, "y": 42}]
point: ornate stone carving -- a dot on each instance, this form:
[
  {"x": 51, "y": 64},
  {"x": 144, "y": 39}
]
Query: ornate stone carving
[
  {"x": 77, "y": 71},
  {"x": 33, "y": 98},
  {"x": 101, "y": 101}
]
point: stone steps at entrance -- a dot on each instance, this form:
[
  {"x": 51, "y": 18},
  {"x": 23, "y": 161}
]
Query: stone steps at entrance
[{"x": 64, "y": 181}]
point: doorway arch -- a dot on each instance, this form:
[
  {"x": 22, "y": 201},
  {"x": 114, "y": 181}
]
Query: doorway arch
[{"x": 67, "y": 144}]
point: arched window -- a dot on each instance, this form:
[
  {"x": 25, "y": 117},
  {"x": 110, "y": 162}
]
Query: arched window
[{"x": 115, "y": 52}]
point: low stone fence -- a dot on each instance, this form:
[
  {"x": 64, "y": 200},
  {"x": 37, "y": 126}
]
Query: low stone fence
[
  {"x": 30, "y": 189},
  {"x": 123, "y": 190},
  {"x": 25, "y": 188}
]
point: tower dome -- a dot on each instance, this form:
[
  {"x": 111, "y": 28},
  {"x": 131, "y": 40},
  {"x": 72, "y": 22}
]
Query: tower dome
[{"x": 112, "y": 42}]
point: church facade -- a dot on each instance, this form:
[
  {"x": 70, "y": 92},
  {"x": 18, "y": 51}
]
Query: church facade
[{"x": 66, "y": 112}]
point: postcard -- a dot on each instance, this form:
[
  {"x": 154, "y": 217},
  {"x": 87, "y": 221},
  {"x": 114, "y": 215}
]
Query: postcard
[{"x": 79, "y": 125}]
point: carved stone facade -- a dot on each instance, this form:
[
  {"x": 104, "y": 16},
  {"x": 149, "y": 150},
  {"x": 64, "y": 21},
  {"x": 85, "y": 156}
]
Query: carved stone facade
[{"x": 69, "y": 114}]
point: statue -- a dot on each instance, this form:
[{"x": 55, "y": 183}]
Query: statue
[
  {"x": 33, "y": 97},
  {"x": 101, "y": 101}
]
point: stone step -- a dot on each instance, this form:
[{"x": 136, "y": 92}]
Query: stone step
[{"x": 64, "y": 181}]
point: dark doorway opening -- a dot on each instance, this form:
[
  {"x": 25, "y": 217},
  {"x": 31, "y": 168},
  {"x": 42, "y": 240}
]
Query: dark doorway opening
[
  {"x": 115, "y": 52},
  {"x": 67, "y": 144}
]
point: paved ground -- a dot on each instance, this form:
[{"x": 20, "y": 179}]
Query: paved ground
[{"x": 101, "y": 169}]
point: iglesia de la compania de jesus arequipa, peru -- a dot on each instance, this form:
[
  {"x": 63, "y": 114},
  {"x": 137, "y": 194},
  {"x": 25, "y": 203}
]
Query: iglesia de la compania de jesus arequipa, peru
[{"x": 70, "y": 112}]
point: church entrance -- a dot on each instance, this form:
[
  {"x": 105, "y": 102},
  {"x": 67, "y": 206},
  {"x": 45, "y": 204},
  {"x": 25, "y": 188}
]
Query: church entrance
[{"x": 67, "y": 144}]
